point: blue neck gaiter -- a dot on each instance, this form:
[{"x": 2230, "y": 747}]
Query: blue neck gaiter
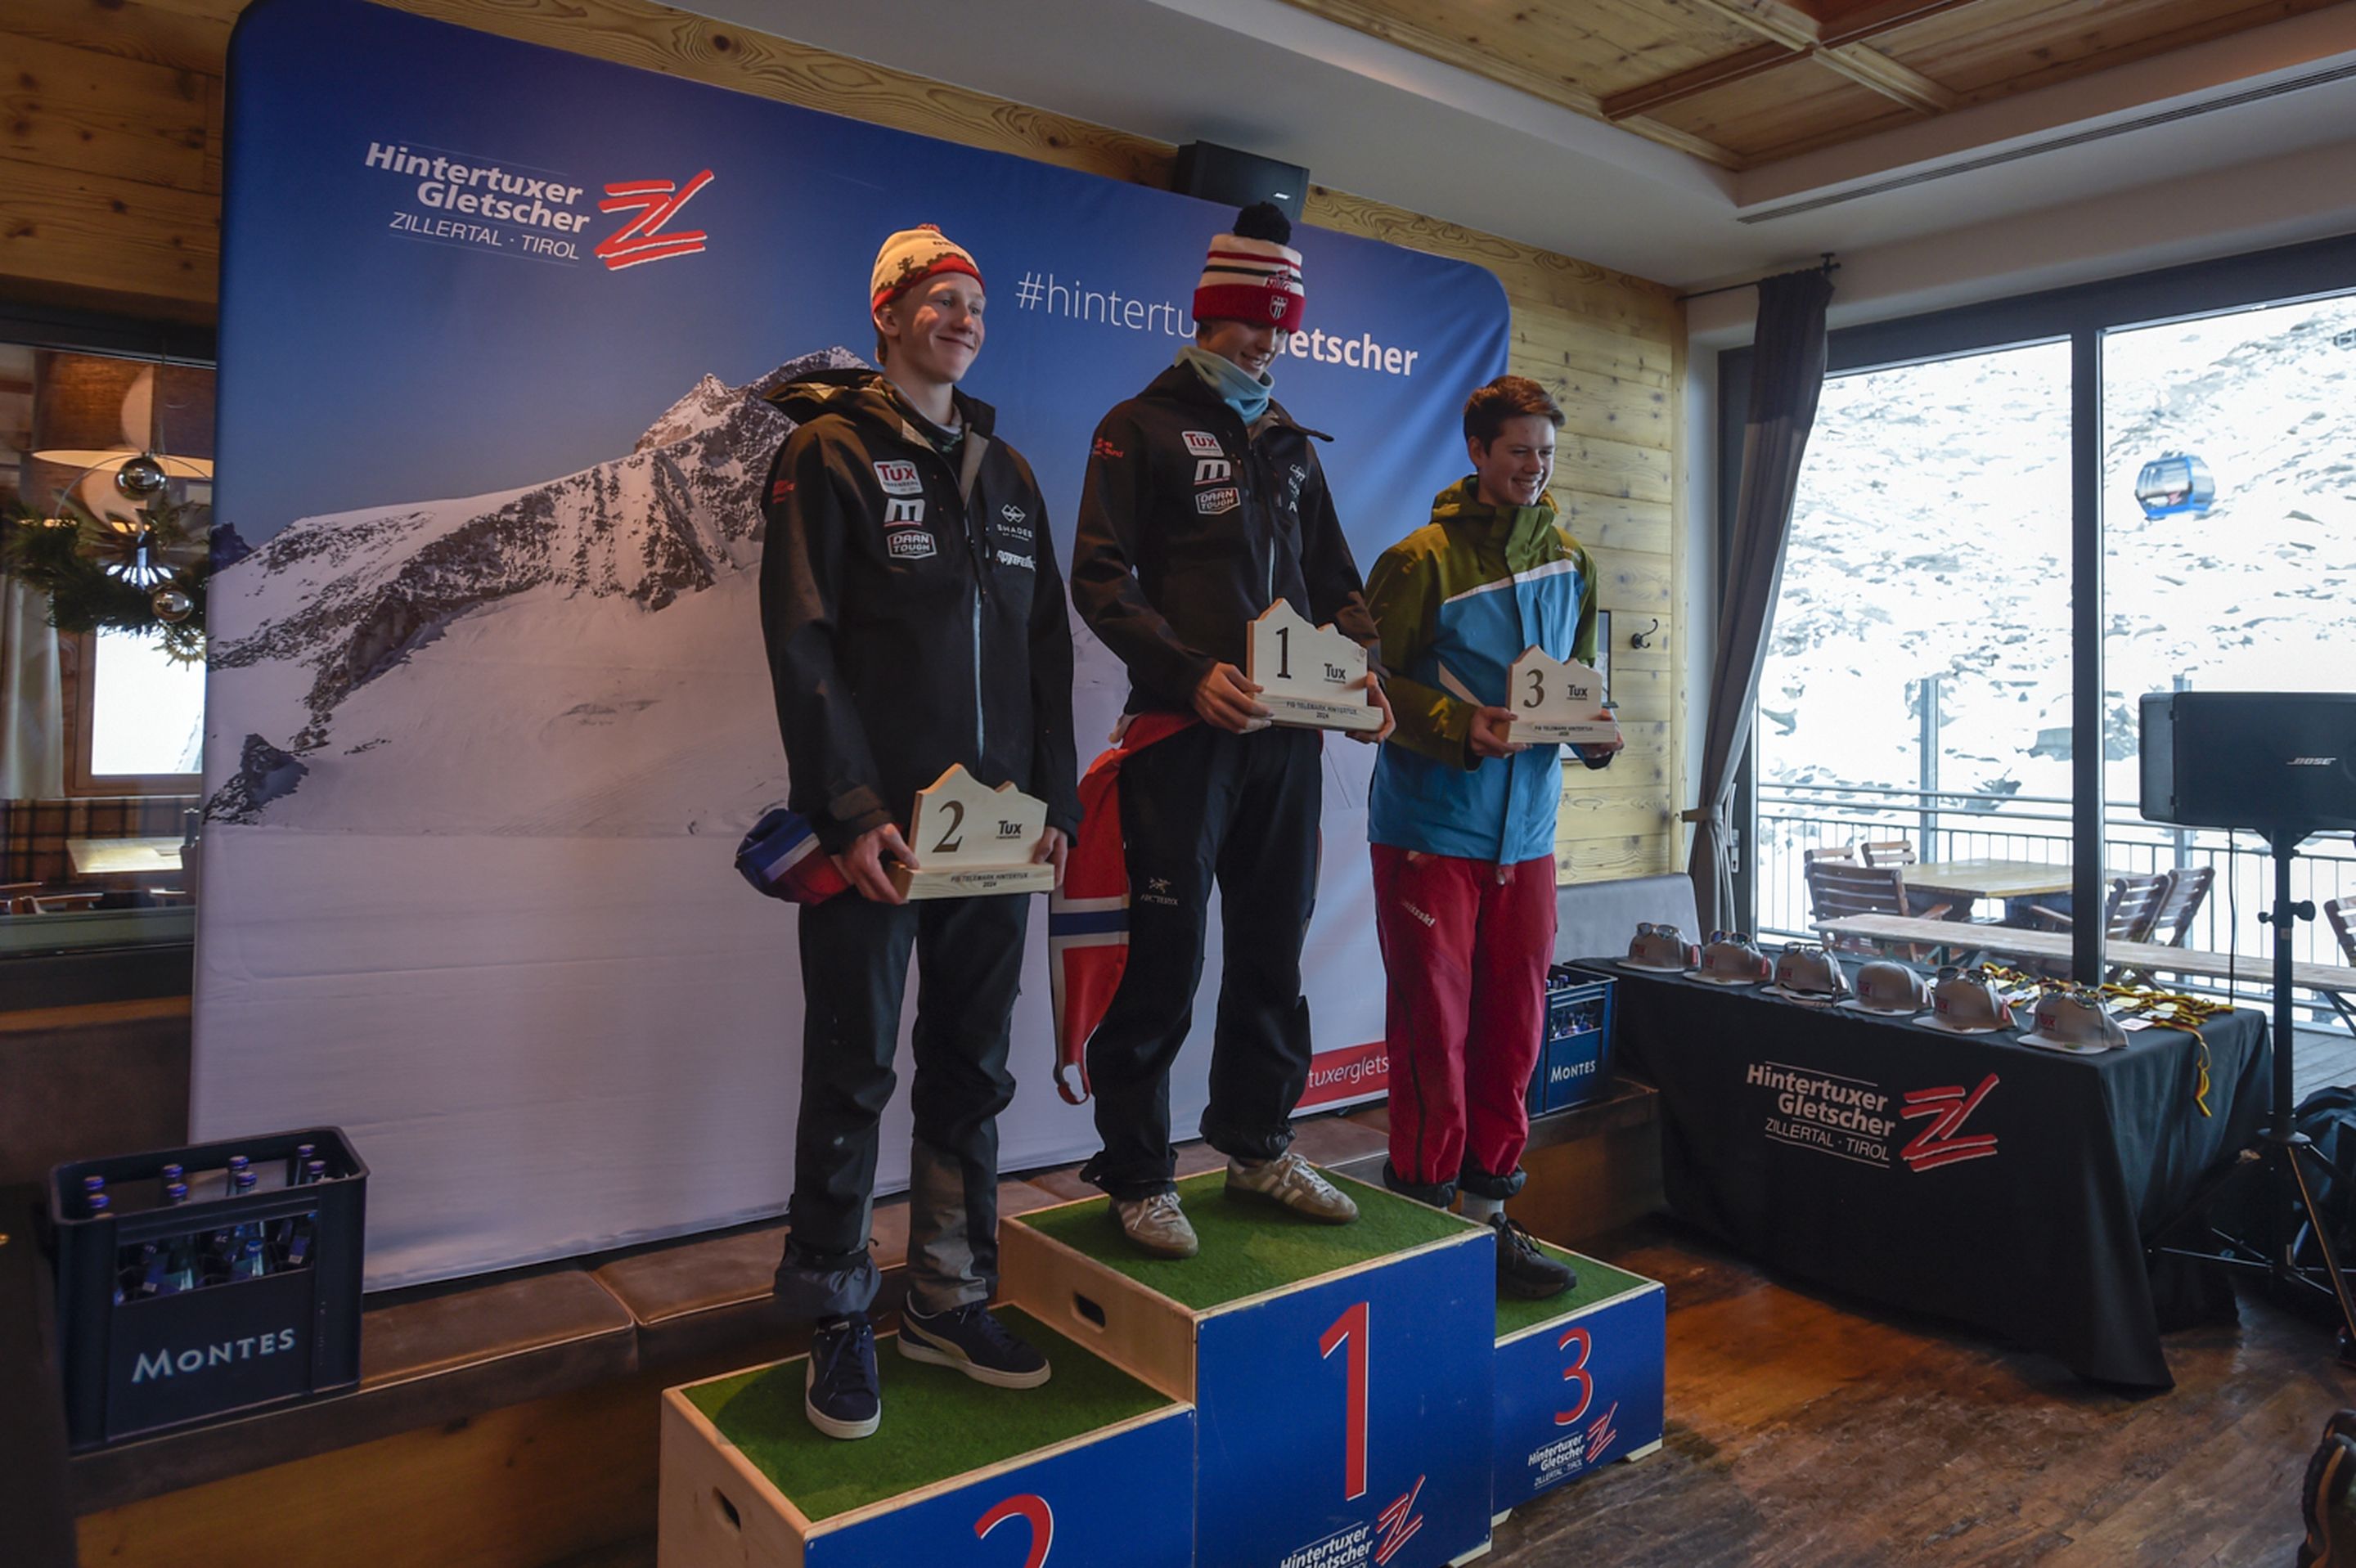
[{"x": 1238, "y": 387}]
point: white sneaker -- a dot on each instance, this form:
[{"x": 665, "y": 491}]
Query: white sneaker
[
  {"x": 1158, "y": 1225},
  {"x": 1293, "y": 1182}
]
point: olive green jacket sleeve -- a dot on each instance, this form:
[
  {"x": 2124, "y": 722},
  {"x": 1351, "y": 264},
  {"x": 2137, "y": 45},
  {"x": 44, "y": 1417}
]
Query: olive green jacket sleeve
[{"x": 1402, "y": 594}]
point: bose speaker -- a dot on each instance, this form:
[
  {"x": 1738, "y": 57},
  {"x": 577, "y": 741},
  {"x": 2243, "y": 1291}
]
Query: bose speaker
[
  {"x": 2273, "y": 762},
  {"x": 1237, "y": 179}
]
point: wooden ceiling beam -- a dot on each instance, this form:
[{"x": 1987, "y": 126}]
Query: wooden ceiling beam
[
  {"x": 1859, "y": 23},
  {"x": 1508, "y": 72},
  {"x": 1871, "y": 67},
  {"x": 1797, "y": 30},
  {"x": 1651, "y": 95}
]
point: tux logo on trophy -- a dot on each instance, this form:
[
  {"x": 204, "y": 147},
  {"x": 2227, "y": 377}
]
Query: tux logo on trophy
[
  {"x": 1308, "y": 675},
  {"x": 1553, "y": 702},
  {"x": 972, "y": 840}
]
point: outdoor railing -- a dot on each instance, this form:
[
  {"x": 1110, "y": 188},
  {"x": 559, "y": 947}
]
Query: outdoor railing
[{"x": 1961, "y": 825}]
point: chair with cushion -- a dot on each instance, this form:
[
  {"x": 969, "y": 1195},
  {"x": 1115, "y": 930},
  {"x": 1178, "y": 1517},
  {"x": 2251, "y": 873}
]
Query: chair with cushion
[{"x": 1838, "y": 889}]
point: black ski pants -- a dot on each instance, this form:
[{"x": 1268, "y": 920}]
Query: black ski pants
[
  {"x": 1208, "y": 807},
  {"x": 854, "y": 955}
]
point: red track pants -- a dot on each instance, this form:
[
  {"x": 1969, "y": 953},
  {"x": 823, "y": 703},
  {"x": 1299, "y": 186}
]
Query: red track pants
[{"x": 1466, "y": 945}]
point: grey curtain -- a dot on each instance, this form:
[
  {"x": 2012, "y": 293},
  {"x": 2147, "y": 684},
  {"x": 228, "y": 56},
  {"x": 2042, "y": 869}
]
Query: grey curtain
[{"x": 1787, "y": 373}]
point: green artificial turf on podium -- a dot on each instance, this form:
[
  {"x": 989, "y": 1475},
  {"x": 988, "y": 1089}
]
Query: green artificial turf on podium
[
  {"x": 1597, "y": 1282},
  {"x": 936, "y": 1422},
  {"x": 1249, "y": 1245}
]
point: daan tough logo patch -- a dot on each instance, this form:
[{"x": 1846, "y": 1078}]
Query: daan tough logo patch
[
  {"x": 1211, "y": 503},
  {"x": 898, "y": 477},
  {"x": 909, "y": 544}
]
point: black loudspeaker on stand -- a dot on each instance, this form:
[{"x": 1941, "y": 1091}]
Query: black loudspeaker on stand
[{"x": 2291, "y": 759}]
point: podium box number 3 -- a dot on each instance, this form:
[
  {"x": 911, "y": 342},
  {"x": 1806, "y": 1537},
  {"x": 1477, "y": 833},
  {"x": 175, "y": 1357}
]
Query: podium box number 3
[
  {"x": 1308, "y": 675},
  {"x": 970, "y": 839}
]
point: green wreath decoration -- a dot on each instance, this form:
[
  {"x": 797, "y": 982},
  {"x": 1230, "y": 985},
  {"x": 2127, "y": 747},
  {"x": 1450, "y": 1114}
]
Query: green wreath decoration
[{"x": 144, "y": 573}]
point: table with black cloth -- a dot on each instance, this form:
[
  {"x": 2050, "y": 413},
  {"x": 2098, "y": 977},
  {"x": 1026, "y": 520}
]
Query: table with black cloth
[{"x": 1966, "y": 1177}]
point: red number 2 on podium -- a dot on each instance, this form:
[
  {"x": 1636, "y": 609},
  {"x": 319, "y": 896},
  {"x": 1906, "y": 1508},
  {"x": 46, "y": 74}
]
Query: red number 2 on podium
[
  {"x": 1350, "y": 1329},
  {"x": 1030, "y": 1507}
]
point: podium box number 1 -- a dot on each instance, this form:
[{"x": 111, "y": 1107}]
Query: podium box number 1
[{"x": 1340, "y": 1374}]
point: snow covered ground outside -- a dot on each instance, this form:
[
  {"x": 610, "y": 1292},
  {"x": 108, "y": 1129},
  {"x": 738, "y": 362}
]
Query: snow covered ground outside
[{"x": 1931, "y": 538}]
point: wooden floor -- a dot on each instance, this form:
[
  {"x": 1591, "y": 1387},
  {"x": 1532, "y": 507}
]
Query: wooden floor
[{"x": 1804, "y": 1431}]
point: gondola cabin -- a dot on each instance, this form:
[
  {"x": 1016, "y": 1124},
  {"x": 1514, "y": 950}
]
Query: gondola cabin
[{"x": 2178, "y": 482}]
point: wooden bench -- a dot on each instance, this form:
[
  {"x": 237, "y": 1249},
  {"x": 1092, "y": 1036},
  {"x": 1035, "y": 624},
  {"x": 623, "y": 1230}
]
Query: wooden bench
[{"x": 2334, "y": 980}]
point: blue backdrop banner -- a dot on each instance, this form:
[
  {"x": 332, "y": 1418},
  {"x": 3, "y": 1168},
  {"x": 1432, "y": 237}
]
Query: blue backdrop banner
[{"x": 488, "y": 708}]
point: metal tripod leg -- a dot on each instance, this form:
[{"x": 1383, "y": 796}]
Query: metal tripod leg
[{"x": 2322, "y": 1241}]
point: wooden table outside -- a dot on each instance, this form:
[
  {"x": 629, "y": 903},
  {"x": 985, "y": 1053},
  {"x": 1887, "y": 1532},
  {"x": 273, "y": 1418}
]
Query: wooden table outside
[
  {"x": 1969, "y": 879},
  {"x": 124, "y": 859}
]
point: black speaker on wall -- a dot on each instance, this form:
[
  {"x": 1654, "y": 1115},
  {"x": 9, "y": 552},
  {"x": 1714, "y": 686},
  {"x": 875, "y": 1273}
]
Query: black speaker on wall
[
  {"x": 1237, "y": 179},
  {"x": 2267, "y": 761}
]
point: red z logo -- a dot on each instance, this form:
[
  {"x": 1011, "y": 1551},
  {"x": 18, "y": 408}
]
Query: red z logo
[
  {"x": 1938, "y": 1144},
  {"x": 1399, "y": 1522},
  {"x": 655, "y": 202},
  {"x": 1030, "y": 1506},
  {"x": 1601, "y": 1434}
]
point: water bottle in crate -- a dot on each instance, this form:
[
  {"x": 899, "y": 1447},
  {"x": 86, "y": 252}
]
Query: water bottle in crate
[
  {"x": 1575, "y": 1060},
  {"x": 196, "y": 1284}
]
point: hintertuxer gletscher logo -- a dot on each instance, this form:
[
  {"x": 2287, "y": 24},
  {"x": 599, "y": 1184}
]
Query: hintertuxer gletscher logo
[{"x": 643, "y": 239}]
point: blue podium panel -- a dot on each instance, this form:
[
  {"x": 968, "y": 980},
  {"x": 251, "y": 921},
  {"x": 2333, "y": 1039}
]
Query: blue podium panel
[
  {"x": 1582, "y": 1387},
  {"x": 1346, "y": 1422},
  {"x": 1093, "y": 1467},
  {"x": 1122, "y": 1498},
  {"x": 1340, "y": 1374}
]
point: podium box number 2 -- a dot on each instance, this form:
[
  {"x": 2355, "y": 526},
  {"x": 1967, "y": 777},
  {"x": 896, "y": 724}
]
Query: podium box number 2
[
  {"x": 1340, "y": 1374},
  {"x": 1091, "y": 1466}
]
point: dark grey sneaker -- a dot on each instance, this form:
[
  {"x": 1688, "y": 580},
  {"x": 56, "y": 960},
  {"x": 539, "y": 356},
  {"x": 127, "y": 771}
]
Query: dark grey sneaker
[
  {"x": 842, "y": 1395},
  {"x": 1522, "y": 1269},
  {"x": 971, "y": 1340}
]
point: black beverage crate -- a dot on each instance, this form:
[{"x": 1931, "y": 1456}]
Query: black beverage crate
[
  {"x": 149, "y": 1364},
  {"x": 1574, "y": 1057}
]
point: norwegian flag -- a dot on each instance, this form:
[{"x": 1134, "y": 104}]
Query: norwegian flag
[
  {"x": 1087, "y": 917},
  {"x": 782, "y": 858}
]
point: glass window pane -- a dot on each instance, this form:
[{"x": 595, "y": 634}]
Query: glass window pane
[
  {"x": 147, "y": 711},
  {"x": 2236, "y": 573},
  {"x": 1916, "y": 689}
]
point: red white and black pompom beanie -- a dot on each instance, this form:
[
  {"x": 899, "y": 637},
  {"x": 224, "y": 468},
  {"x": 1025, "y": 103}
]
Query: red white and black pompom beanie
[
  {"x": 911, "y": 256},
  {"x": 1252, "y": 274}
]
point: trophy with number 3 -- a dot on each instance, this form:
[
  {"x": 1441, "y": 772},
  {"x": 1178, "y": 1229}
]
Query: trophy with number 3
[{"x": 1556, "y": 702}]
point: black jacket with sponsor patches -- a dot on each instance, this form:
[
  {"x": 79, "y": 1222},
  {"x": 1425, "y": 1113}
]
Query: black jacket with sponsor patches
[
  {"x": 914, "y": 612},
  {"x": 1190, "y": 525}
]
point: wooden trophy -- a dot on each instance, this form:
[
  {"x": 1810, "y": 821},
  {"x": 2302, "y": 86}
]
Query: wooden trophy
[
  {"x": 974, "y": 840},
  {"x": 1557, "y": 703},
  {"x": 1308, "y": 675}
]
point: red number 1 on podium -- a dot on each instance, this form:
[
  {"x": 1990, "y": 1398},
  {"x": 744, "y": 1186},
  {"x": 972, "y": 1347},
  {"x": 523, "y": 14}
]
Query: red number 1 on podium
[{"x": 1350, "y": 1329}]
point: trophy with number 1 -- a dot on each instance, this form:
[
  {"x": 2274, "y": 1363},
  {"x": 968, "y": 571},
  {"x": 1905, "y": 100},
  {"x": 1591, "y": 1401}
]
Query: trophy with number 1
[{"x": 1311, "y": 678}]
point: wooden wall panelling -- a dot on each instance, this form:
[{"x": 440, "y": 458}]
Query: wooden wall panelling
[
  {"x": 74, "y": 236},
  {"x": 70, "y": 108}
]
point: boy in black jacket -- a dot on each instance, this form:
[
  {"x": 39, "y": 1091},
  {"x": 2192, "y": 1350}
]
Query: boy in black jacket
[
  {"x": 1204, "y": 505},
  {"x": 915, "y": 618}
]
